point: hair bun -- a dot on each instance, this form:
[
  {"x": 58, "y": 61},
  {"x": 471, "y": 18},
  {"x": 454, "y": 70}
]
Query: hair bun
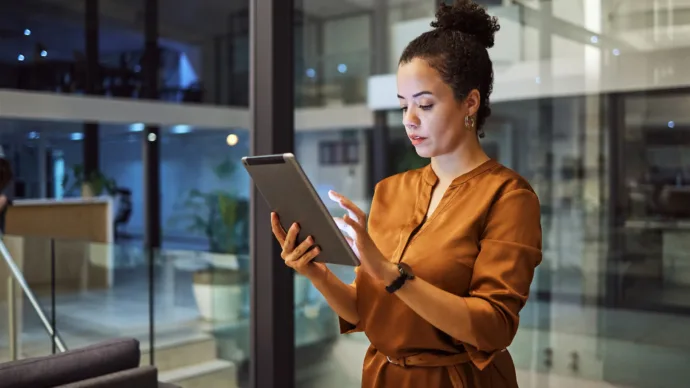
[{"x": 470, "y": 18}]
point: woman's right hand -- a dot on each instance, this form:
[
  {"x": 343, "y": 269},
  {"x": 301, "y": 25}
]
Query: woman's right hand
[{"x": 297, "y": 256}]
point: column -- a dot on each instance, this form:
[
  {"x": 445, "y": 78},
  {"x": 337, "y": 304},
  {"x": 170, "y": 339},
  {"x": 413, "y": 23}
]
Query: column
[
  {"x": 544, "y": 277},
  {"x": 380, "y": 157},
  {"x": 91, "y": 23},
  {"x": 151, "y": 158},
  {"x": 42, "y": 159},
  {"x": 272, "y": 115}
]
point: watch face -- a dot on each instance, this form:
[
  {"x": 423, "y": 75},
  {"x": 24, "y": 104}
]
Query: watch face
[{"x": 406, "y": 270}]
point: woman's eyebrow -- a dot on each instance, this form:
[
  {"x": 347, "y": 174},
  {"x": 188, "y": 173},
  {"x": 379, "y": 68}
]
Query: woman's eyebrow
[{"x": 423, "y": 92}]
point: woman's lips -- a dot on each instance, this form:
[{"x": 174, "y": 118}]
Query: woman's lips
[{"x": 417, "y": 140}]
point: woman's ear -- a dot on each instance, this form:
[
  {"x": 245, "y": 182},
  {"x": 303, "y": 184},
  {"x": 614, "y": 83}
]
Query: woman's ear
[{"x": 472, "y": 102}]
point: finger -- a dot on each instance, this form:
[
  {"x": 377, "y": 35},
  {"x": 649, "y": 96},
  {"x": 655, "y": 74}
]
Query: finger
[
  {"x": 356, "y": 226},
  {"x": 340, "y": 222},
  {"x": 352, "y": 209},
  {"x": 301, "y": 249},
  {"x": 290, "y": 238},
  {"x": 277, "y": 229},
  {"x": 353, "y": 245},
  {"x": 344, "y": 227},
  {"x": 308, "y": 257}
]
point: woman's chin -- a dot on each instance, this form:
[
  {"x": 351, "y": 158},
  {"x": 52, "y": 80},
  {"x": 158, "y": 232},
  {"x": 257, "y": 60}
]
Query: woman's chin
[{"x": 423, "y": 152}]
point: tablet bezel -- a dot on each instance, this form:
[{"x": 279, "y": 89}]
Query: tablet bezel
[{"x": 288, "y": 159}]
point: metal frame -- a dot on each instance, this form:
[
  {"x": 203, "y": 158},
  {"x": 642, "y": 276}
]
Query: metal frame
[
  {"x": 272, "y": 115},
  {"x": 18, "y": 277}
]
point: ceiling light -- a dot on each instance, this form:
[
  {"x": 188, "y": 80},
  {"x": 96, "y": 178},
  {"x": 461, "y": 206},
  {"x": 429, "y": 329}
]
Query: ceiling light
[
  {"x": 179, "y": 129},
  {"x": 232, "y": 139}
]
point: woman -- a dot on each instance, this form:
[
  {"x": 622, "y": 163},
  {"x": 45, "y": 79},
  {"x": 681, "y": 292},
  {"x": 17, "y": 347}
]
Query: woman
[{"x": 450, "y": 249}]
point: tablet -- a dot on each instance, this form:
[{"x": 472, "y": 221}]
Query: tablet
[{"x": 288, "y": 192}]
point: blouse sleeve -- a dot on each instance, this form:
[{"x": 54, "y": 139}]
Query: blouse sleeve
[{"x": 510, "y": 250}]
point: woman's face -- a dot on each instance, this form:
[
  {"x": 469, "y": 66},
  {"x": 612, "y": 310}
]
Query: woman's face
[{"x": 434, "y": 120}]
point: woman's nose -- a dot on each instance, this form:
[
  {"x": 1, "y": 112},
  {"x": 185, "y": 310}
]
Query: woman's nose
[{"x": 410, "y": 119}]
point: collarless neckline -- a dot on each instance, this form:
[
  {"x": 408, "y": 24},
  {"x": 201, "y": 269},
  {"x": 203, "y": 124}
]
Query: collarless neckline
[{"x": 431, "y": 178}]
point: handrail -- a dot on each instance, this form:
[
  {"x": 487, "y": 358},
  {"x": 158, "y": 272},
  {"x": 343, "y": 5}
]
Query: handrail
[{"x": 19, "y": 278}]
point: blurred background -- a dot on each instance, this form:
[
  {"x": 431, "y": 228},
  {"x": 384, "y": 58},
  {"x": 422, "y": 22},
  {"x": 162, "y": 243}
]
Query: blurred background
[{"x": 590, "y": 104}]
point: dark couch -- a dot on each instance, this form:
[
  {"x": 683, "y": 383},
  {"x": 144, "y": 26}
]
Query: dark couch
[{"x": 110, "y": 364}]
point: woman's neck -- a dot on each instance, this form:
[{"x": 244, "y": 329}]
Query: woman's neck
[{"x": 450, "y": 166}]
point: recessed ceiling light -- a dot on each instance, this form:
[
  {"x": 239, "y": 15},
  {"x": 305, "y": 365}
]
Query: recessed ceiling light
[
  {"x": 232, "y": 139},
  {"x": 179, "y": 129}
]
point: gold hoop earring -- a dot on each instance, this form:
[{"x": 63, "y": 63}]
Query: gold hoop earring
[{"x": 469, "y": 122}]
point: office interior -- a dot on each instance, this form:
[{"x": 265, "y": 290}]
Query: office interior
[{"x": 590, "y": 104}]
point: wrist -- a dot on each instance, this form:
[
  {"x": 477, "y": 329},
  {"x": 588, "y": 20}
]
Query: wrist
[
  {"x": 389, "y": 272},
  {"x": 319, "y": 275}
]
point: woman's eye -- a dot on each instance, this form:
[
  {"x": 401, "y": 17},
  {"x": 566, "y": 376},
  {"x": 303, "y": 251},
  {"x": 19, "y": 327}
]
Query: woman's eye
[
  {"x": 426, "y": 107},
  {"x": 403, "y": 108}
]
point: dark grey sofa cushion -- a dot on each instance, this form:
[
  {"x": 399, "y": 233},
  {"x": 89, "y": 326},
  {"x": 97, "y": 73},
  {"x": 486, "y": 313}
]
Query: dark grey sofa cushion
[
  {"x": 75, "y": 365},
  {"x": 144, "y": 377}
]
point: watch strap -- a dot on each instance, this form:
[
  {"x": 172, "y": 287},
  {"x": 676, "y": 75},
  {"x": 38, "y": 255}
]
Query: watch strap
[{"x": 405, "y": 275}]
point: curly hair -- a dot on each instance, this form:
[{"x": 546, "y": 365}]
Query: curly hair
[{"x": 457, "y": 48}]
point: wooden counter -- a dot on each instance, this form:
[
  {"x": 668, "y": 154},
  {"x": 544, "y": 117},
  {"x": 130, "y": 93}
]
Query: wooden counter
[{"x": 80, "y": 230}]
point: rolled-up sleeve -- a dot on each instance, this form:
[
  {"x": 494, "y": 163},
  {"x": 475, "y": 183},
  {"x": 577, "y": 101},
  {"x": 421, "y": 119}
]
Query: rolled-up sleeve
[{"x": 510, "y": 250}]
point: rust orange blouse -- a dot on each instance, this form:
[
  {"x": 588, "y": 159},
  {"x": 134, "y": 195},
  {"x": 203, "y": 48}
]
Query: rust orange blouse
[{"x": 483, "y": 243}]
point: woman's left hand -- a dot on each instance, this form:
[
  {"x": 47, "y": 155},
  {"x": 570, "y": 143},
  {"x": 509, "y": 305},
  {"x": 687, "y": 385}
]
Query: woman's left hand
[{"x": 354, "y": 224}]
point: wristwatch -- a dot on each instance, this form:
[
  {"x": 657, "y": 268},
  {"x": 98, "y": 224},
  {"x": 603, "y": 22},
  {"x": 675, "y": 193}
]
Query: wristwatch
[{"x": 405, "y": 275}]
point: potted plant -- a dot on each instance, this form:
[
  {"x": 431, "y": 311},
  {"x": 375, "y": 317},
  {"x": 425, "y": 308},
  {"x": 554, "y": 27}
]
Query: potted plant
[
  {"x": 90, "y": 185},
  {"x": 219, "y": 282}
]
